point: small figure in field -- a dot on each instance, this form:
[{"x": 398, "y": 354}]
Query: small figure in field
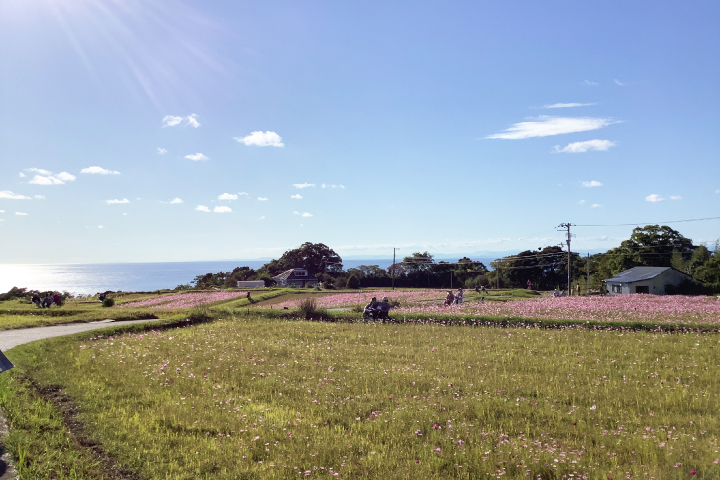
[
  {"x": 376, "y": 309},
  {"x": 459, "y": 296},
  {"x": 102, "y": 297},
  {"x": 556, "y": 293},
  {"x": 449, "y": 298},
  {"x": 36, "y": 300},
  {"x": 578, "y": 290},
  {"x": 47, "y": 301},
  {"x": 56, "y": 299},
  {"x": 249, "y": 298},
  {"x": 529, "y": 285},
  {"x": 482, "y": 300}
]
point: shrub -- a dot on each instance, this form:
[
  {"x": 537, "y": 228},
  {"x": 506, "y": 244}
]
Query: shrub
[
  {"x": 108, "y": 302},
  {"x": 353, "y": 282},
  {"x": 309, "y": 310},
  {"x": 200, "y": 313}
]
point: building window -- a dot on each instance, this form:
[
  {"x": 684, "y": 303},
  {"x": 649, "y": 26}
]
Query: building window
[
  {"x": 616, "y": 289},
  {"x": 301, "y": 273}
]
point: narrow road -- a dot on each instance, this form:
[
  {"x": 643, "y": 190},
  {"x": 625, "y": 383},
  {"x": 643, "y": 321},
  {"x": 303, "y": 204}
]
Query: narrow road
[{"x": 13, "y": 338}]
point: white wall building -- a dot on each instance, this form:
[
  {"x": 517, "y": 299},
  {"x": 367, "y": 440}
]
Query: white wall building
[{"x": 645, "y": 280}]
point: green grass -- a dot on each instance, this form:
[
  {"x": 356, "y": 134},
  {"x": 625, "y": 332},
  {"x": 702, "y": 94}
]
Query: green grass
[{"x": 262, "y": 398}]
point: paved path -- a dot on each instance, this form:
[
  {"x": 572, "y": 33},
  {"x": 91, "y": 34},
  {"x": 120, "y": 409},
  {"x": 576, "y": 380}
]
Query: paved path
[{"x": 13, "y": 338}]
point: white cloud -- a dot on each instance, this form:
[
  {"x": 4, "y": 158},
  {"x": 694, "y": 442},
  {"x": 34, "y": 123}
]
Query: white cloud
[
  {"x": 66, "y": 177},
  {"x": 244, "y": 193},
  {"x": 39, "y": 197},
  {"x": 595, "y": 205},
  {"x": 262, "y": 199},
  {"x": 40, "y": 171},
  {"x": 581, "y": 202},
  {"x": 12, "y": 196},
  {"x": 171, "y": 121},
  {"x": 2, "y": 211},
  {"x": 568, "y": 105},
  {"x": 202, "y": 208},
  {"x": 192, "y": 120},
  {"x": 592, "y": 183},
  {"x": 222, "y": 209},
  {"x": 654, "y": 198},
  {"x": 228, "y": 196},
  {"x": 161, "y": 151},
  {"x": 99, "y": 171},
  {"x": 545, "y": 126},
  {"x": 297, "y": 196},
  {"x": 675, "y": 197},
  {"x": 306, "y": 214},
  {"x": 115, "y": 201},
  {"x": 262, "y": 139},
  {"x": 21, "y": 175},
  {"x": 618, "y": 82},
  {"x": 197, "y": 157},
  {"x": 100, "y": 226},
  {"x": 303, "y": 185},
  {"x": 40, "y": 180},
  {"x": 21, "y": 213},
  {"x": 175, "y": 200},
  {"x": 591, "y": 83},
  {"x": 582, "y": 147},
  {"x": 125, "y": 214},
  {"x": 326, "y": 185},
  {"x": 296, "y": 212},
  {"x": 262, "y": 218}
]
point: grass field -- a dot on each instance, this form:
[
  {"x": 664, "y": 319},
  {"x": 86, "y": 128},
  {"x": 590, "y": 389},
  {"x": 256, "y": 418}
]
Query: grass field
[{"x": 254, "y": 398}]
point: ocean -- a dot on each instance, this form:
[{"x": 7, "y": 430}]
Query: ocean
[{"x": 128, "y": 277}]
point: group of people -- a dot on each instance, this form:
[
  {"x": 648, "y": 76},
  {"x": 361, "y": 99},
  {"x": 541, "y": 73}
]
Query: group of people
[
  {"x": 454, "y": 299},
  {"x": 49, "y": 299},
  {"x": 376, "y": 309}
]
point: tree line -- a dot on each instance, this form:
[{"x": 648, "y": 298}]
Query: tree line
[{"x": 545, "y": 268}]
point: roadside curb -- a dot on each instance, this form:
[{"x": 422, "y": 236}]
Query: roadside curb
[{"x": 7, "y": 468}]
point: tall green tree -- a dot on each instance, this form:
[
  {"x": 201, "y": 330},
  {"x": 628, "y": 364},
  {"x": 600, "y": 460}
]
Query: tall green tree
[{"x": 314, "y": 257}]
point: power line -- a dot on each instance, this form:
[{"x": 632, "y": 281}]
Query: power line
[{"x": 652, "y": 223}]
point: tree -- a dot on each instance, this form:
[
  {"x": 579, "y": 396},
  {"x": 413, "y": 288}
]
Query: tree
[
  {"x": 353, "y": 282},
  {"x": 313, "y": 257}
]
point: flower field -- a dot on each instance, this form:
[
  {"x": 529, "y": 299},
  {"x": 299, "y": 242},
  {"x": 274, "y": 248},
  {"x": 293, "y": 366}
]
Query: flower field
[
  {"x": 253, "y": 398},
  {"x": 625, "y": 308},
  {"x": 363, "y": 298},
  {"x": 183, "y": 300}
]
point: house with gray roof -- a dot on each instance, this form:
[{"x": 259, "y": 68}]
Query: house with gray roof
[
  {"x": 295, "y": 277},
  {"x": 653, "y": 280}
]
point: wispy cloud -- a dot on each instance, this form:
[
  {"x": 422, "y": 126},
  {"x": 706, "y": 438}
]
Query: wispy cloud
[
  {"x": 39, "y": 197},
  {"x": 262, "y": 199},
  {"x": 161, "y": 151},
  {"x": 116, "y": 201},
  {"x": 173, "y": 121},
  {"x": 545, "y": 126},
  {"x": 100, "y": 226},
  {"x": 581, "y": 202},
  {"x": 21, "y": 213},
  {"x": 306, "y": 214},
  {"x": 21, "y": 175},
  {"x": 654, "y": 198},
  {"x": 45, "y": 177},
  {"x": 202, "y": 208},
  {"x": 582, "y": 147},
  {"x": 326, "y": 185},
  {"x": 196, "y": 157},
  {"x": 2, "y": 211},
  {"x": 591, "y": 83},
  {"x": 7, "y": 194},
  {"x": 591, "y": 183},
  {"x": 303, "y": 185},
  {"x": 595, "y": 205},
  {"x": 568, "y": 105},
  {"x": 222, "y": 209},
  {"x": 297, "y": 196},
  {"x": 244, "y": 194},
  {"x": 675, "y": 197},
  {"x": 296, "y": 212},
  {"x": 262, "y": 218},
  {"x": 99, "y": 171},
  {"x": 228, "y": 196},
  {"x": 619, "y": 83},
  {"x": 262, "y": 139},
  {"x": 175, "y": 200}
]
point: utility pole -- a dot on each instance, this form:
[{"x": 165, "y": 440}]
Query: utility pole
[
  {"x": 567, "y": 226},
  {"x": 588, "y": 273},
  {"x": 393, "y": 269}
]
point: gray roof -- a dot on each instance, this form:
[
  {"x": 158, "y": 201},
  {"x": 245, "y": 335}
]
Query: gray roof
[
  {"x": 290, "y": 275},
  {"x": 637, "y": 274}
]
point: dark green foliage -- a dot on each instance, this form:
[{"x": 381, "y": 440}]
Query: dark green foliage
[
  {"x": 353, "y": 282},
  {"x": 108, "y": 302},
  {"x": 313, "y": 257},
  {"x": 14, "y": 292}
]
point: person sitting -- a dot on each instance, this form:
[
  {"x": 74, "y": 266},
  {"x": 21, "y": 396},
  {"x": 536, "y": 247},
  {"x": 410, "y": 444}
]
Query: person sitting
[
  {"x": 47, "y": 301},
  {"x": 57, "y": 299},
  {"x": 102, "y": 297},
  {"x": 36, "y": 300},
  {"x": 556, "y": 293},
  {"x": 459, "y": 296},
  {"x": 371, "y": 308},
  {"x": 449, "y": 298}
]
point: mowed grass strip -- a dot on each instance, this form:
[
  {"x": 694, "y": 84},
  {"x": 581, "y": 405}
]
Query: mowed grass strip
[{"x": 253, "y": 398}]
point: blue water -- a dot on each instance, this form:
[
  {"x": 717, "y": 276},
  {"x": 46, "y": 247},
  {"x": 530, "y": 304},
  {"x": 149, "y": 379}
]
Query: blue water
[{"x": 137, "y": 277}]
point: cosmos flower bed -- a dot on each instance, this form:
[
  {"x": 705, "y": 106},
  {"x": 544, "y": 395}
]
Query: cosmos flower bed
[
  {"x": 184, "y": 300},
  {"x": 620, "y": 308},
  {"x": 362, "y": 298}
]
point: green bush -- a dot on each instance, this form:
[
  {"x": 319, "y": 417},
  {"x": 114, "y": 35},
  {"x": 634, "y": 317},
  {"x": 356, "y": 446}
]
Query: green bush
[
  {"x": 353, "y": 282},
  {"x": 108, "y": 302}
]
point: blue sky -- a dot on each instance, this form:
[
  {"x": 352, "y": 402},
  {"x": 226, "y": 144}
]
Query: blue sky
[{"x": 172, "y": 131}]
